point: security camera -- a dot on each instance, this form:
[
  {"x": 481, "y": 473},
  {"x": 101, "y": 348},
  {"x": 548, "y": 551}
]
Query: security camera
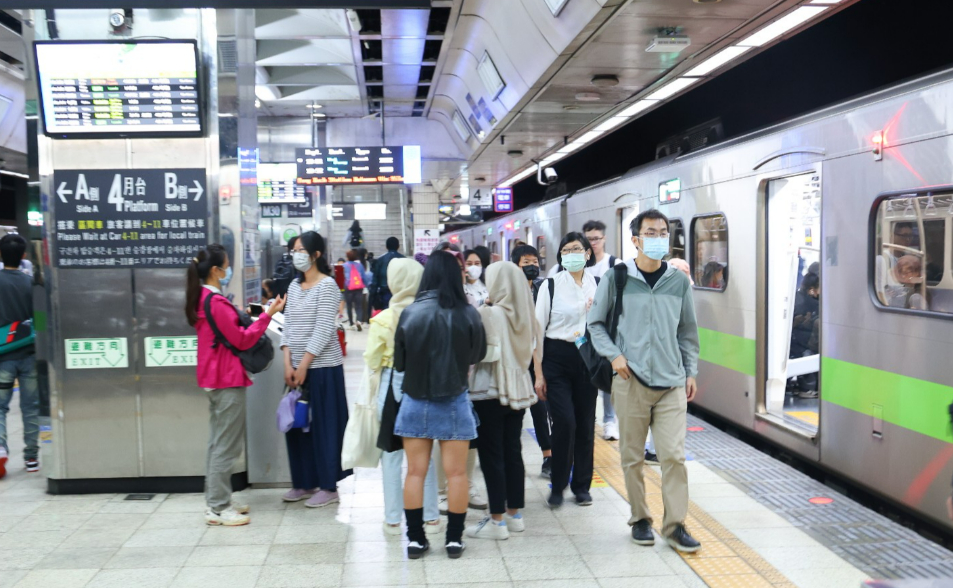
[
  {"x": 546, "y": 176},
  {"x": 120, "y": 19}
]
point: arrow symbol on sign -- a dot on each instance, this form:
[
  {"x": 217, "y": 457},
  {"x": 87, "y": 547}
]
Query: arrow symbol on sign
[
  {"x": 426, "y": 231},
  {"x": 197, "y": 190},
  {"x": 62, "y": 192}
]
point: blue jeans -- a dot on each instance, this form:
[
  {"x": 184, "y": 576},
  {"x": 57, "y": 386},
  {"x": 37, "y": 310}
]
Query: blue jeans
[
  {"x": 23, "y": 370},
  {"x": 392, "y": 464},
  {"x": 608, "y": 412}
]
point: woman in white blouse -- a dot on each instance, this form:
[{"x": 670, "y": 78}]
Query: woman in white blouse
[{"x": 561, "y": 378}]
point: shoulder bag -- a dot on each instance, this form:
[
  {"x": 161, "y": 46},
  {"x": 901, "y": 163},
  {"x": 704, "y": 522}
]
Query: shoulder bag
[
  {"x": 360, "y": 436},
  {"x": 255, "y": 359},
  {"x": 598, "y": 367},
  {"x": 386, "y": 439},
  {"x": 16, "y": 335}
]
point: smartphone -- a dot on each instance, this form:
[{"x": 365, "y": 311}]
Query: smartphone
[{"x": 256, "y": 309}]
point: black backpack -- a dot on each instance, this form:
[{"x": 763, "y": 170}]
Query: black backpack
[
  {"x": 284, "y": 274},
  {"x": 255, "y": 359},
  {"x": 356, "y": 240}
]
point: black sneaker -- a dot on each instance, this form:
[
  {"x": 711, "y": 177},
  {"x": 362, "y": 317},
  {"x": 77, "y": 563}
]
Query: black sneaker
[
  {"x": 555, "y": 500},
  {"x": 547, "y": 470},
  {"x": 584, "y": 499},
  {"x": 651, "y": 458},
  {"x": 642, "y": 533},
  {"x": 416, "y": 550},
  {"x": 680, "y": 540},
  {"x": 455, "y": 549},
  {"x": 32, "y": 465}
]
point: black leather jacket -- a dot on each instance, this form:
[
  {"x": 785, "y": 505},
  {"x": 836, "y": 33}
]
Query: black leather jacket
[{"x": 435, "y": 347}]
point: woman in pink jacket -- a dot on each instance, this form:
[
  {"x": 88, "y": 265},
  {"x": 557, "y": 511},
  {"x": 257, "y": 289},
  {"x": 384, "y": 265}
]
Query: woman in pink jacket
[{"x": 221, "y": 374}]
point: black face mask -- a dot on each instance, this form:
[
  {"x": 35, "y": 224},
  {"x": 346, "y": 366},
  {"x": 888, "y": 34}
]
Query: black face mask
[{"x": 531, "y": 271}]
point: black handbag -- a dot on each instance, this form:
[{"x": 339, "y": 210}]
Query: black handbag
[
  {"x": 386, "y": 439},
  {"x": 598, "y": 367},
  {"x": 255, "y": 359}
]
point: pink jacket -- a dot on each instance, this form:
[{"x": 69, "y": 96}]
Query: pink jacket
[{"x": 218, "y": 367}]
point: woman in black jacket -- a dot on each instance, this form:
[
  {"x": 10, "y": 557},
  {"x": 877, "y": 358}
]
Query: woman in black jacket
[{"x": 438, "y": 338}]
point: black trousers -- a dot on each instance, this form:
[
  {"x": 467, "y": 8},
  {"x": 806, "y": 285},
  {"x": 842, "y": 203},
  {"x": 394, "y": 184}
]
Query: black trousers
[
  {"x": 540, "y": 414},
  {"x": 355, "y": 303},
  {"x": 572, "y": 407},
  {"x": 501, "y": 454}
]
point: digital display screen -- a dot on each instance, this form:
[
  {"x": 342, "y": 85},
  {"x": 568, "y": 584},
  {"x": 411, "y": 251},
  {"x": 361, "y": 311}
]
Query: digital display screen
[
  {"x": 119, "y": 89},
  {"x": 669, "y": 191},
  {"x": 276, "y": 184},
  {"x": 358, "y": 165}
]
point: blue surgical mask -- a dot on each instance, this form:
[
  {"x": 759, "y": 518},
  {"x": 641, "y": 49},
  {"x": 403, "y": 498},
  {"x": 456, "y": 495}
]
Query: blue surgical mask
[
  {"x": 574, "y": 262},
  {"x": 228, "y": 277},
  {"x": 655, "y": 247}
]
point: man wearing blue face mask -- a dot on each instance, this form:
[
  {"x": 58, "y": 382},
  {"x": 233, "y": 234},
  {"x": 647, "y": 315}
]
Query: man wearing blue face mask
[{"x": 654, "y": 377}]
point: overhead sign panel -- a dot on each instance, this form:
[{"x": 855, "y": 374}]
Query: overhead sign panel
[
  {"x": 358, "y": 165},
  {"x": 119, "y": 88},
  {"x": 276, "y": 184},
  {"x": 669, "y": 191},
  {"x": 503, "y": 200},
  {"x": 127, "y": 218},
  {"x": 481, "y": 198}
]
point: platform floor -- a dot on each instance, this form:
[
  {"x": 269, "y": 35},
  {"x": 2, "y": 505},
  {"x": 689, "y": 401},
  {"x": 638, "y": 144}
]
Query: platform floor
[{"x": 752, "y": 537}]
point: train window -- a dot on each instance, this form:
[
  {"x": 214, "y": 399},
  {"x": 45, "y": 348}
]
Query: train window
[
  {"x": 541, "y": 247},
  {"x": 676, "y": 239},
  {"x": 710, "y": 251},
  {"x": 911, "y": 267}
]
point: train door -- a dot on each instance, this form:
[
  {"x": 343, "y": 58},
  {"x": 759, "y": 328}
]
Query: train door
[
  {"x": 793, "y": 209},
  {"x": 626, "y": 215}
]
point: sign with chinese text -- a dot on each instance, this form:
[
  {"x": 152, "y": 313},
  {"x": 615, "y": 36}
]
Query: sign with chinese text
[
  {"x": 502, "y": 199},
  {"x": 128, "y": 218},
  {"x": 358, "y": 165},
  {"x": 425, "y": 240},
  {"x": 301, "y": 209},
  {"x": 89, "y": 354},
  {"x": 171, "y": 351}
]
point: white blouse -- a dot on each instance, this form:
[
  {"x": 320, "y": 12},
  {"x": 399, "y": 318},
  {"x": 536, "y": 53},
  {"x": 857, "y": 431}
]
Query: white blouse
[
  {"x": 476, "y": 293},
  {"x": 571, "y": 303}
]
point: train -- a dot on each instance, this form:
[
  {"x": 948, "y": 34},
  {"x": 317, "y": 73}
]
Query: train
[{"x": 860, "y": 193}]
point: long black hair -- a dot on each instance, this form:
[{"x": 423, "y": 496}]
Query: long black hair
[
  {"x": 355, "y": 227},
  {"x": 314, "y": 243},
  {"x": 212, "y": 256},
  {"x": 483, "y": 256},
  {"x": 569, "y": 238},
  {"x": 442, "y": 275}
]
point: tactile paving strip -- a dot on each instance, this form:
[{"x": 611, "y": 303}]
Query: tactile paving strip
[{"x": 724, "y": 561}]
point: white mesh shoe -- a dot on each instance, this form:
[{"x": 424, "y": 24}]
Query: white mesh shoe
[{"x": 227, "y": 518}]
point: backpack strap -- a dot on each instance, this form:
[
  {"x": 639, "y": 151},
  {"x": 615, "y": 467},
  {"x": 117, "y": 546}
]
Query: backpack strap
[
  {"x": 621, "y": 275},
  {"x": 612, "y": 260},
  {"x": 551, "y": 282},
  {"x": 219, "y": 337}
]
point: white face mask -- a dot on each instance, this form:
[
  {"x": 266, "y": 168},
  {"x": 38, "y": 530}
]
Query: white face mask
[
  {"x": 474, "y": 271},
  {"x": 301, "y": 261}
]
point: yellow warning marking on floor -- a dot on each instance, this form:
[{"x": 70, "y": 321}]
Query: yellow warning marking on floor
[
  {"x": 724, "y": 561},
  {"x": 805, "y": 416},
  {"x": 598, "y": 482}
]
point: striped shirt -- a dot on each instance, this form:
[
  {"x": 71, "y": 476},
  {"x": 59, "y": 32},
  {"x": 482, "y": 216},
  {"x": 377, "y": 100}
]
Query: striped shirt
[{"x": 310, "y": 324}]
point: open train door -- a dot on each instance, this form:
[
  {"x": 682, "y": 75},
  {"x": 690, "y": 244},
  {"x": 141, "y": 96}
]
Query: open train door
[{"x": 792, "y": 301}]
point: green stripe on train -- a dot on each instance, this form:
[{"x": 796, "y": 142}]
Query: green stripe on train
[
  {"x": 910, "y": 403},
  {"x": 730, "y": 351}
]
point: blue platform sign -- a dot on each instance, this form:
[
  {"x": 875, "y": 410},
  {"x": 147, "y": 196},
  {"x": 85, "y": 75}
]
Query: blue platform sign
[{"x": 502, "y": 199}]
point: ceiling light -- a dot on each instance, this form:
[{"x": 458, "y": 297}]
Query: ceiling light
[
  {"x": 611, "y": 123},
  {"x": 257, "y": 103},
  {"x": 460, "y": 125},
  {"x": 515, "y": 153},
  {"x": 588, "y": 97},
  {"x": 571, "y": 147},
  {"x": 315, "y": 106},
  {"x": 717, "y": 60},
  {"x": 825, "y": 1},
  {"x": 637, "y": 108},
  {"x": 668, "y": 44},
  {"x": 672, "y": 88},
  {"x": 551, "y": 159},
  {"x": 520, "y": 176},
  {"x": 590, "y": 136},
  {"x": 480, "y": 180},
  {"x": 490, "y": 76},
  {"x": 570, "y": 107},
  {"x": 318, "y": 115},
  {"x": 604, "y": 80},
  {"x": 706, "y": 1},
  {"x": 782, "y": 25}
]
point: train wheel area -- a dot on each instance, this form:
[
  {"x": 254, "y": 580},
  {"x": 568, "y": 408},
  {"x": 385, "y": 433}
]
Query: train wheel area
[{"x": 761, "y": 524}]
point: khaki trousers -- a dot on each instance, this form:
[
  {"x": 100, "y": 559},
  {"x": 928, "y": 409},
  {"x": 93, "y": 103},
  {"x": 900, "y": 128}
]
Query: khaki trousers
[{"x": 637, "y": 407}]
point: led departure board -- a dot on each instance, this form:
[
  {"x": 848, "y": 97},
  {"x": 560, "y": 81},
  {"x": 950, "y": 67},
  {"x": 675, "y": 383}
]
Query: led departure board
[
  {"x": 276, "y": 184},
  {"x": 358, "y": 165},
  {"x": 119, "y": 88}
]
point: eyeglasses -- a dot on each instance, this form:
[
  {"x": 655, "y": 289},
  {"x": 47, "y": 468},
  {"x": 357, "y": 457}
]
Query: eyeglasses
[
  {"x": 597, "y": 239},
  {"x": 653, "y": 235},
  {"x": 573, "y": 250}
]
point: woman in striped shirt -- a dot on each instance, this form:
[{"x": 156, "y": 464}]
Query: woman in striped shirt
[{"x": 313, "y": 362}]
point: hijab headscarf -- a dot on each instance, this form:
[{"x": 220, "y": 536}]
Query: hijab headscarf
[{"x": 511, "y": 320}]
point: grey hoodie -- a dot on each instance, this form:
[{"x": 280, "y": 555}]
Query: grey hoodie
[{"x": 657, "y": 330}]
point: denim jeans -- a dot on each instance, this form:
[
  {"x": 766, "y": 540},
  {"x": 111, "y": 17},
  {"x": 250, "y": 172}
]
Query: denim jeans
[
  {"x": 23, "y": 370},
  {"x": 608, "y": 411}
]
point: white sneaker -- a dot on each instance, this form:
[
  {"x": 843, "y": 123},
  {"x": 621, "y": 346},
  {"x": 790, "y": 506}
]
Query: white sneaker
[
  {"x": 433, "y": 527},
  {"x": 516, "y": 523},
  {"x": 476, "y": 499},
  {"x": 443, "y": 506},
  {"x": 390, "y": 529},
  {"x": 610, "y": 431},
  {"x": 488, "y": 529},
  {"x": 227, "y": 518}
]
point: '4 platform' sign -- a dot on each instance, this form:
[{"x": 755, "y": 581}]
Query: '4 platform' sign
[{"x": 88, "y": 354}]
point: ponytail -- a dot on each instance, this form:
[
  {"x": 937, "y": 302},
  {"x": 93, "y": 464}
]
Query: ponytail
[
  {"x": 314, "y": 243},
  {"x": 196, "y": 274}
]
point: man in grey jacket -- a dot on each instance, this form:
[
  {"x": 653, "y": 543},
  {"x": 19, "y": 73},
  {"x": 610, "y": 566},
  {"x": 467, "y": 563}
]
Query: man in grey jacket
[{"x": 655, "y": 358}]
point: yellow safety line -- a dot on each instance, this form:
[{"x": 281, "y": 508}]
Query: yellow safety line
[
  {"x": 724, "y": 561},
  {"x": 805, "y": 416}
]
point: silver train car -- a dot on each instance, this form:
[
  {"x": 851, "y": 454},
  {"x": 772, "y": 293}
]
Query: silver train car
[{"x": 863, "y": 188}]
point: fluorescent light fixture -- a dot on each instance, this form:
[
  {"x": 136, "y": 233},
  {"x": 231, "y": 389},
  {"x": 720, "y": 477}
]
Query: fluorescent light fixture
[
  {"x": 520, "y": 176},
  {"x": 784, "y": 24},
  {"x": 556, "y": 6},
  {"x": 671, "y": 88},
  {"x": 590, "y": 136},
  {"x": 490, "y": 76},
  {"x": 571, "y": 147},
  {"x": 637, "y": 108},
  {"x": 717, "y": 60},
  {"x": 611, "y": 123},
  {"x": 460, "y": 125},
  {"x": 7, "y": 172},
  {"x": 825, "y": 1},
  {"x": 551, "y": 159}
]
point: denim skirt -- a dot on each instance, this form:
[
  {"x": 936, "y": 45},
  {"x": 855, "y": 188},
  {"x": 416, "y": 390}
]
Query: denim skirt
[{"x": 443, "y": 419}]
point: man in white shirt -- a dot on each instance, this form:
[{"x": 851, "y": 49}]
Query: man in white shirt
[{"x": 595, "y": 232}]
